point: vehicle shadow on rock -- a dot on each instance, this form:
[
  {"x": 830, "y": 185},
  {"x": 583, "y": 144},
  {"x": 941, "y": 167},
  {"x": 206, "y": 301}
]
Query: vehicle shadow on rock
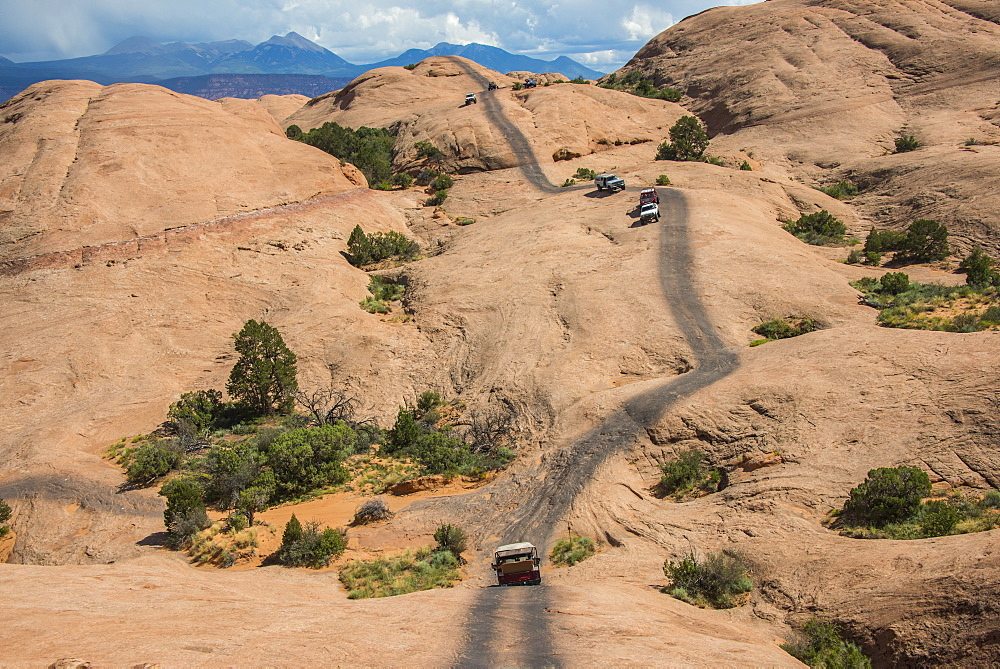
[{"x": 599, "y": 193}]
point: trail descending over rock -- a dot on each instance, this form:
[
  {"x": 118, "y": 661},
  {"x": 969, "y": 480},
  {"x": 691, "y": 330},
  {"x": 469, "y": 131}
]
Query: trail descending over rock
[{"x": 517, "y": 615}]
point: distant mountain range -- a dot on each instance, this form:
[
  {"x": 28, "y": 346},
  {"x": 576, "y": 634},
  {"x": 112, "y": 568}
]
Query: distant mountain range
[{"x": 236, "y": 64}]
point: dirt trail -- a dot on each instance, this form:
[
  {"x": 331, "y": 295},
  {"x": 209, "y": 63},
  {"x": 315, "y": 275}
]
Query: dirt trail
[
  {"x": 516, "y": 617},
  {"x": 520, "y": 145}
]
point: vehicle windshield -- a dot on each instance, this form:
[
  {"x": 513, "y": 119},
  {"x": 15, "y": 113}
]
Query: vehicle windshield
[{"x": 513, "y": 558}]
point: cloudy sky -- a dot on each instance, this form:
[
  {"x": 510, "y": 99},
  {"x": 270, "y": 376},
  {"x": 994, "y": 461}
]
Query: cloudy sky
[{"x": 600, "y": 33}]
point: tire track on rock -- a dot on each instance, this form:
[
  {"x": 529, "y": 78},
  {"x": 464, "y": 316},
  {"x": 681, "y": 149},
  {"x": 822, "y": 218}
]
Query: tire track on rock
[{"x": 491, "y": 639}]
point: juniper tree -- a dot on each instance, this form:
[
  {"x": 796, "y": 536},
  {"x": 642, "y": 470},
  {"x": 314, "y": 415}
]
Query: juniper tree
[{"x": 264, "y": 378}]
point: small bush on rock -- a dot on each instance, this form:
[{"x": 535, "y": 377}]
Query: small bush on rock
[
  {"x": 783, "y": 328},
  {"x": 894, "y": 283},
  {"x": 688, "y": 141},
  {"x": 905, "y": 143},
  {"x": 364, "y": 249},
  {"x": 688, "y": 474},
  {"x": 887, "y": 495},
  {"x": 5, "y": 513},
  {"x": 818, "y": 228},
  {"x": 824, "y": 648},
  {"x": 572, "y": 550},
  {"x": 717, "y": 581},
  {"x": 842, "y": 190},
  {"x": 307, "y": 546},
  {"x": 979, "y": 269},
  {"x": 149, "y": 462},
  {"x": 451, "y": 538}
]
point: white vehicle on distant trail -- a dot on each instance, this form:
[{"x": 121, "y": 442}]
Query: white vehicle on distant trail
[
  {"x": 610, "y": 181},
  {"x": 649, "y": 212}
]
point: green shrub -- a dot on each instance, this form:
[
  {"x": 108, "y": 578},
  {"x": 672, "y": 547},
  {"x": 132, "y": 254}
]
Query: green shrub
[
  {"x": 437, "y": 199},
  {"x": 824, "y": 648},
  {"x": 716, "y": 581},
  {"x": 149, "y": 462},
  {"x": 229, "y": 470},
  {"x": 307, "y": 546},
  {"x": 926, "y": 241},
  {"x": 979, "y": 269},
  {"x": 568, "y": 183},
  {"x": 427, "y": 401},
  {"x": 293, "y": 132},
  {"x": 745, "y": 165},
  {"x": 992, "y": 499},
  {"x": 309, "y": 458},
  {"x": 853, "y": 257},
  {"x": 572, "y": 550},
  {"x": 783, "y": 328},
  {"x": 905, "y": 143},
  {"x": 185, "y": 513},
  {"x": 201, "y": 409},
  {"x": 887, "y": 495},
  {"x": 585, "y": 174},
  {"x": 428, "y": 150},
  {"x": 938, "y": 518},
  {"x": 384, "y": 288},
  {"x": 842, "y": 190},
  {"x": 411, "y": 572},
  {"x": 578, "y": 80},
  {"x": 364, "y": 249},
  {"x": 402, "y": 180},
  {"x": 688, "y": 141},
  {"x": 663, "y": 180},
  {"x": 236, "y": 522},
  {"x": 688, "y": 473},
  {"x": 369, "y": 149},
  {"x": 5, "y": 513},
  {"x": 451, "y": 538},
  {"x": 442, "y": 182},
  {"x": 818, "y": 228},
  {"x": 880, "y": 241},
  {"x": 894, "y": 283},
  {"x": 425, "y": 177},
  {"x": 264, "y": 378},
  {"x": 873, "y": 259},
  {"x": 517, "y": 86},
  {"x": 254, "y": 499},
  {"x": 411, "y": 66}
]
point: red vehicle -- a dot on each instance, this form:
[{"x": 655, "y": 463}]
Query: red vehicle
[
  {"x": 647, "y": 195},
  {"x": 517, "y": 564}
]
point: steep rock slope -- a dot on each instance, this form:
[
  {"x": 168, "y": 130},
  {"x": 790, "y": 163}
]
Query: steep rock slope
[
  {"x": 86, "y": 164},
  {"x": 822, "y": 88}
]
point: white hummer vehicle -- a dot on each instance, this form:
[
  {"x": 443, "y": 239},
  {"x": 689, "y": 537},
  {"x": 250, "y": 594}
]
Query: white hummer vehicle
[
  {"x": 649, "y": 212},
  {"x": 610, "y": 181}
]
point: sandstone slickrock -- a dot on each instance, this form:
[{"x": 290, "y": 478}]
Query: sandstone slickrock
[
  {"x": 823, "y": 89},
  {"x": 86, "y": 164},
  {"x": 555, "y": 302},
  {"x": 559, "y": 122}
]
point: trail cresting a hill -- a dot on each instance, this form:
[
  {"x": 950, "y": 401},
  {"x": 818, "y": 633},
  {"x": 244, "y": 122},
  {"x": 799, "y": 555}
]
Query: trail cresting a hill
[{"x": 511, "y": 625}]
